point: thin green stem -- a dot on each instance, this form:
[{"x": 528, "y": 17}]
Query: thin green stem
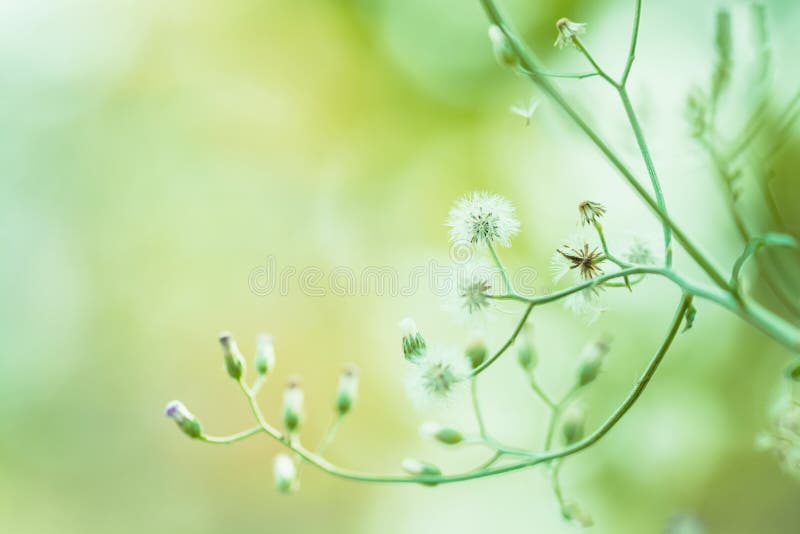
[
  {"x": 603, "y": 74},
  {"x": 540, "y": 392},
  {"x": 651, "y": 169},
  {"x": 575, "y": 76},
  {"x": 529, "y": 62},
  {"x": 226, "y": 440},
  {"x": 510, "y": 341},
  {"x": 501, "y": 267},
  {"x": 634, "y": 40}
]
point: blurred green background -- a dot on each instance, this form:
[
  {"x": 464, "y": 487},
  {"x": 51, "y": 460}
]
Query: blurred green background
[{"x": 155, "y": 153}]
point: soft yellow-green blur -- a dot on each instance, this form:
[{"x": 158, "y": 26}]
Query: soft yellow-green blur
[{"x": 157, "y": 154}]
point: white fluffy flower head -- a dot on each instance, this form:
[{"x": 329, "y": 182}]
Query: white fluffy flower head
[
  {"x": 437, "y": 376},
  {"x": 482, "y": 218}
]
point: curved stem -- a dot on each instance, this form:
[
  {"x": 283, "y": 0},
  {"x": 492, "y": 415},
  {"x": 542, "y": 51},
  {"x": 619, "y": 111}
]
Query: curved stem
[
  {"x": 510, "y": 341},
  {"x": 634, "y": 40}
]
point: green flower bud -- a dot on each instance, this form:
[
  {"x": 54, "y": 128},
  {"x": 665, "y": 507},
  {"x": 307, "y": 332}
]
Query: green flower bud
[
  {"x": 348, "y": 389},
  {"x": 234, "y": 361},
  {"x": 185, "y": 420},
  {"x": 591, "y": 361},
  {"x": 442, "y": 434},
  {"x": 413, "y": 342},
  {"x": 572, "y": 424},
  {"x": 293, "y": 405},
  {"x": 476, "y": 352},
  {"x": 285, "y": 473},
  {"x": 265, "y": 354},
  {"x": 503, "y": 51},
  {"x": 793, "y": 377},
  {"x": 418, "y": 468},
  {"x": 526, "y": 353}
]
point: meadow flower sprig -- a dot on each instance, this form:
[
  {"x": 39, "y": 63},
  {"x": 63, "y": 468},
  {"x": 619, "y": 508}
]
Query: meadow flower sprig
[{"x": 486, "y": 221}]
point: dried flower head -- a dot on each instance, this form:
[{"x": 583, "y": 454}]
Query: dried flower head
[
  {"x": 583, "y": 259},
  {"x": 482, "y": 218},
  {"x": 567, "y": 31},
  {"x": 590, "y": 212}
]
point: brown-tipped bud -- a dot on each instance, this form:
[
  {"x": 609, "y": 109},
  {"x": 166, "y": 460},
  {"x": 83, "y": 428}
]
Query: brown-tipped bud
[
  {"x": 234, "y": 361},
  {"x": 348, "y": 389},
  {"x": 590, "y": 212},
  {"x": 568, "y": 31},
  {"x": 293, "y": 405},
  {"x": 185, "y": 420}
]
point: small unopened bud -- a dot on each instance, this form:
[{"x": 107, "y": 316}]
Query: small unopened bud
[
  {"x": 572, "y": 424},
  {"x": 265, "y": 354},
  {"x": 285, "y": 473},
  {"x": 526, "y": 353},
  {"x": 442, "y": 434},
  {"x": 293, "y": 405},
  {"x": 348, "y": 389},
  {"x": 793, "y": 378},
  {"x": 418, "y": 468},
  {"x": 234, "y": 361},
  {"x": 574, "y": 514},
  {"x": 568, "y": 31},
  {"x": 591, "y": 361},
  {"x": 413, "y": 342},
  {"x": 476, "y": 352},
  {"x": 503, "y": 51},
  {"x": 185, "y": 420}
]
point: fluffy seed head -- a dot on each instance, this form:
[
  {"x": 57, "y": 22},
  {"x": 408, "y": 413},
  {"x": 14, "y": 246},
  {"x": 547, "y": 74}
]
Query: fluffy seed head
[
  {"x": 437, "y": 376},
  {"x": 482, "y": 218},
  {"x": 567, "y": 31}
]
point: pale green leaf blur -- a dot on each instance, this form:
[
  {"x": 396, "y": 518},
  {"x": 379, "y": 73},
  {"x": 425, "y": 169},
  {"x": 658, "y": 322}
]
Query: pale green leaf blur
[{"x": 154, "y": 155}]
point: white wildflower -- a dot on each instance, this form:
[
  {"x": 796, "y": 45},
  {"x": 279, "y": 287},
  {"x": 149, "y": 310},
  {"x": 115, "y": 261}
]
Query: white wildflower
[
  {"x": 482, "y": 218},
  {"x": 567, "y": 31},
  {"x": 437, "y": 376},
  {"x": 526, "y": 112}
]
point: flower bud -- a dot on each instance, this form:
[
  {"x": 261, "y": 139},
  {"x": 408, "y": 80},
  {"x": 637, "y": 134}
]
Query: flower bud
[
  {"x": 265, "y": 354},
  {"x": 575, "y": 514},
  {"x": 568, "y": 31},
  {"x": 293, "y": 405},
  {"x": 348, "y": 389},
  {"x": 442, "y": 434},
  {"x": 185, "y": 420},
  {"x": 793, "y": 378},
  {"x": 526, "y": 353},
  {"x": 591, "y": 361},
  {"x": 572, "y": 424},
  {"x": 417, "y": 468},
  {"x": 476, "y": 352},
  {"x": 502, "y": 49},
  {"x": 285, "y": 473},
  {"x": 234, "y": 361},
  {"x": 413, "y": 342}
]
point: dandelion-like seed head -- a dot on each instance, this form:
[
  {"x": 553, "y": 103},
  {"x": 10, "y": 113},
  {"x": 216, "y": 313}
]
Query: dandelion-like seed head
[
  {"x": 590, "y": 212},
  {"x": 640, "y": 253},
  {"x": 567, "y": 31},
  {"x": 585, "y": 303},
  {"x": 475, "y": 295},
  {"x": 482, "y": 218},
  {"x": 437, "y": 376}
]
